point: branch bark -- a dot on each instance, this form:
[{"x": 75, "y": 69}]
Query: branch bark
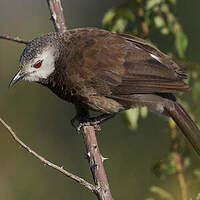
[
  {"x": 181, "y": 178},
  {"x": 57, "y": 15},
  {"x": 96, "y": 163},
  {"x": 178, "y": 164},
  {"x": 14, "y": 39}
]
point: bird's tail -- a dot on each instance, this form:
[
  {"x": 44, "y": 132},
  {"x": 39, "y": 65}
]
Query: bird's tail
[{"x": 185, "y": 123}]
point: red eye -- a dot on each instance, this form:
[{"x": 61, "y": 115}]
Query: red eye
[{"x": 38, "y": 64}]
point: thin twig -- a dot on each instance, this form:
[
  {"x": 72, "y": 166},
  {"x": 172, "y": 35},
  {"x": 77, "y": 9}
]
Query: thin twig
[
  {"x": 181, "y": 178},
  {"x": 57, "y": 15},
  {"x": 46, "y": 162},
  {"x": 15, "y": 39},
  {"x": 178, "y": 163}
]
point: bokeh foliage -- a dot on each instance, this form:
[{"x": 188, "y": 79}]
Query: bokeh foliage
[{"x": 152, "y": 19}]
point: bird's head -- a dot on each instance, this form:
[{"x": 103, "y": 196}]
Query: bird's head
[{"x": 37, "y": 61}]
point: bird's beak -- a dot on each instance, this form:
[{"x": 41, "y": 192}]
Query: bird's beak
[{"x": 19, "y": 76}]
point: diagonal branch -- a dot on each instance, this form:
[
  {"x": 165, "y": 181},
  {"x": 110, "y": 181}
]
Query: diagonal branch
[
  {"x": 15, "y": 39},
  {"x": 46, "y": 162}
]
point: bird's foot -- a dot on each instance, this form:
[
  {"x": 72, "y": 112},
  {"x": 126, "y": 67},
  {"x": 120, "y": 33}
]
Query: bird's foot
[
  {"x": 78, "y": 123},
  {"x": 95, "y": 124},
  {"x": 90, "y": 121}
]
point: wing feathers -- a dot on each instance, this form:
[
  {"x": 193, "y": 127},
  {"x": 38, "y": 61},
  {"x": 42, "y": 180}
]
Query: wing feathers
[{"x": 121, "y": 64}]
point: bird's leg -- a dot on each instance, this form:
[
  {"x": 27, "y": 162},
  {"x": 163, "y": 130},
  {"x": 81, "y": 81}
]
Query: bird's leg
[
  {"x": 101, "y": 118},
  {"x": 80, "y": 117},
  {"x": 84, "y": 119}
]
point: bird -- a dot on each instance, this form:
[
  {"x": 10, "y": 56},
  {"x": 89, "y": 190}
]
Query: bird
[{"x": 97, "y": 70}]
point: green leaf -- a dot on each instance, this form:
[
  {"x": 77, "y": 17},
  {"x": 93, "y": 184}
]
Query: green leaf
[
  {"x": 196, "y": 90},
  {"x": 173, "y": 2},
  {"x": 164, "y": 8},
  {"x": 197, "y": 172},
  {"x": 181, "y": 43},
  {"x": 159, "y": 21},
  {"x": 132, "y": 116},
  {"x": 163, "y": 194},
  {"x": 151, "y": 3},
  {"x": 165, "y": 31},
  {"x": 108, "y": 17},
  {"x": 171, "y": 21},
  {"x": 198, "y": 196},
  {"x": 186, "y": 162},
  {"x": 144, "y": 112},
  {"x": 120, "y": 25}
]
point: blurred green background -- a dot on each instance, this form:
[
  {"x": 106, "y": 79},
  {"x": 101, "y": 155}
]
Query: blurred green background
[{"x": 43, "y": 121}]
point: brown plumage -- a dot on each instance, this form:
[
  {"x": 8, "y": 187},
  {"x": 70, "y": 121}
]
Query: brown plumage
[
  {"x": 99, "y": 63},
  {"x": 107, "y": 72}
]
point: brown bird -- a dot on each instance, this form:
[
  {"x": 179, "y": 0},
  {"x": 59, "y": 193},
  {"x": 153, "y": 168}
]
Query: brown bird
[{"x": 107, "y": 72}]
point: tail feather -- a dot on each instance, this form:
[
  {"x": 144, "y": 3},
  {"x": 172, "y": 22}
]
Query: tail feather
[{"x": 186, "y": 124}]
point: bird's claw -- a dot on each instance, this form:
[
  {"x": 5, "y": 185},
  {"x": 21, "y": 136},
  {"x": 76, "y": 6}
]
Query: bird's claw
[
  {"x": 85, "y": 122},
  {"x": 95, "y": 124}
]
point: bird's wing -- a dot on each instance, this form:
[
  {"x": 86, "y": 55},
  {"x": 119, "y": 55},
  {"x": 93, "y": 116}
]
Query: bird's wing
[{"x": 117, "y": 64}]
